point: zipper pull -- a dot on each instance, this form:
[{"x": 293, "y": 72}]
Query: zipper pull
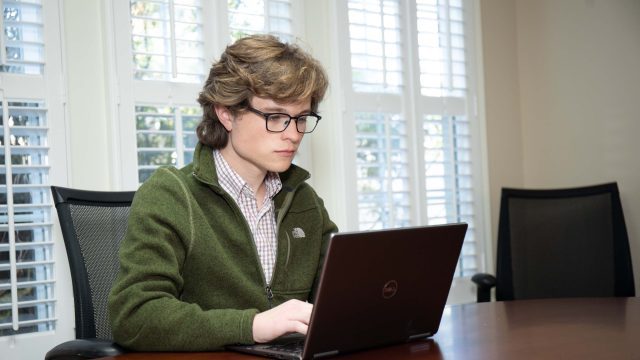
[{"x": 269, "y": 294}]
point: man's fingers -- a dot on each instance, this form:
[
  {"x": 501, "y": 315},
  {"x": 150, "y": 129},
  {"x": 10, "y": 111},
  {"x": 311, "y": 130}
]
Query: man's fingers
[
  {"x": 291, "y": 316},
  {"x": 303, "y": 313},
  {"x": 300, "y": 327}
]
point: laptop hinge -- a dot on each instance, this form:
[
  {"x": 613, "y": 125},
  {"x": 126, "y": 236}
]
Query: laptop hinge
[
  {"x": 325, "y": 354},
  {"x": 419, "y": 336}
]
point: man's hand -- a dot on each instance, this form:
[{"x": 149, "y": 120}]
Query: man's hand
[{"x": 291, "y": 316}]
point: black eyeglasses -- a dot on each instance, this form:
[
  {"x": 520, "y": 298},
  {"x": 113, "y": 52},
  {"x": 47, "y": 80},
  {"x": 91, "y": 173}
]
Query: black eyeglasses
[{"x": 278, "y": 122}]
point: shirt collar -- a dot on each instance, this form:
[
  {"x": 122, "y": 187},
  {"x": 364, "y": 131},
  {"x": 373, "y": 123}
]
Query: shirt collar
[{"x": 234, "y": 184}]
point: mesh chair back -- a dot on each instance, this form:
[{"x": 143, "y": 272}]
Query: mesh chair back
[
  {"x": 93, "y": 224},
  {"x": 563, "y": 243}
]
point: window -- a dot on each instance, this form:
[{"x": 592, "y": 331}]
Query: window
[
  {"x": 26, "y": 276},
  {"x": 382, "y": 167},
  {"x": 376, "y": 48},
  {"x": 27, "y": 282},
  {"x": 168, "y": 52},
  {"x": 416, "y": 157},
  {"x": 22, "y": 46},
  {"x": 167, "y": 40},
  {"x": 158, "y": 136},
  {"x": 260, "y": 16},
  {"x": 167, "y": 49}
]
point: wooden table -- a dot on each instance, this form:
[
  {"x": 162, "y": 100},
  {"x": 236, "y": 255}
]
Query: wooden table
[{"x": 607, "y": 328}]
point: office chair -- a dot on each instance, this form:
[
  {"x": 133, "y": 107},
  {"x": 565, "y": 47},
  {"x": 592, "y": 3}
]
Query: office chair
[
  {"x": 93, "y": 224},
  {"x": 560, "y": 243}
]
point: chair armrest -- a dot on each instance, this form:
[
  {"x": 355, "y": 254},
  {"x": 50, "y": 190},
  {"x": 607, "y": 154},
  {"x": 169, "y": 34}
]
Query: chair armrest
[
  {"x": 484, "y": 282},
  {"x": 81, "y": 349}
]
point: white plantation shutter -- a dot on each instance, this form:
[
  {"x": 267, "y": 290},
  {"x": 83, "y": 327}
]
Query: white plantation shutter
[
  {"x": 384, "y": 192},
  {"x": 22, "y": 43},
  {"x": 27, "y": 299},
  {"x": 26, "y": 276},
  {"x": 169, "y": 63},
  {"x": 417, "y": 161},
  {"x": 441, "y": 47},
  {"x": 165, "y": 136},
  {"x": 449, "y": 181},
  {"x": 449, "y": 155},
  {"x": 167, "y": 40},
  {"x": 382, "y": 152},
  {"x": 375, "y": 43},
  {"x": 260, "y": 16}
]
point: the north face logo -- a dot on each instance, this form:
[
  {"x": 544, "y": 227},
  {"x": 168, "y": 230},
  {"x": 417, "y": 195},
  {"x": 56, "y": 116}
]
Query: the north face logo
[{"x": 297, "y": 233}]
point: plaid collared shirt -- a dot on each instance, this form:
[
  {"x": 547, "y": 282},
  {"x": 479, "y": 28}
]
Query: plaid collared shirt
[{"x": 261, "y": 219}]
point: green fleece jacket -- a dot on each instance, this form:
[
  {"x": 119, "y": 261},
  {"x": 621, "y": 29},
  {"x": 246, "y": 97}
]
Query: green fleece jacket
[{"x": 190, "y": 278}]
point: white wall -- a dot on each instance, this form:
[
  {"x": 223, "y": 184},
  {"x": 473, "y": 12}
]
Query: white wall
[
  {"x": 502, "y": 96},
  {"x": 575, "y": 118},
  {"x": 88, "y": 113}
]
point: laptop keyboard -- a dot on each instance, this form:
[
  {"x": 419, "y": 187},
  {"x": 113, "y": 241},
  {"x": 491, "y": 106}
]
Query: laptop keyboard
[{"x": 295, "y": 346}]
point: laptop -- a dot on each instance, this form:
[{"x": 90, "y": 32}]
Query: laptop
[{"x": 376, "y": 288}]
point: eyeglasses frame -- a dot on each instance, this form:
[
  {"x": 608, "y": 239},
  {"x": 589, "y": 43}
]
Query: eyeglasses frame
[{"x": 295, "y": 118}]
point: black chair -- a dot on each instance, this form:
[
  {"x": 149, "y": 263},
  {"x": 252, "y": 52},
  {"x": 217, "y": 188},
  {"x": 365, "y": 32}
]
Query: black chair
[
  {"x": 560, "y": 243},
  {"x": 93, "y": 224}
]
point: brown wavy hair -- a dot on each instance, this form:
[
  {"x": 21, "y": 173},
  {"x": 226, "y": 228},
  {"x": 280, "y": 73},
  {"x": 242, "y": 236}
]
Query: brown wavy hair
[{"x": 257, "y": 65}]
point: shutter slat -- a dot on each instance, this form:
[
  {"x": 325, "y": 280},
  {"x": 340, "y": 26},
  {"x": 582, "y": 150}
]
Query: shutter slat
[{"x": 25, "y": 222}]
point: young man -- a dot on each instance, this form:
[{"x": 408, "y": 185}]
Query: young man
[{"x": 228, "y": 249}]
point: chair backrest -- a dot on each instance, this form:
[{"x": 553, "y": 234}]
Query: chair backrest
[
  {"x": 93, "y": 224},
  {"x": 563, "y": 243}
]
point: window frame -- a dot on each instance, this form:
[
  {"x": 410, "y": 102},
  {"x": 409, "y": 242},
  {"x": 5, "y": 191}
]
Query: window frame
[
  {"x": 126, "y": 92},
  {"x": 49, "y": 87},
  {"x": 462, "y": 290}
]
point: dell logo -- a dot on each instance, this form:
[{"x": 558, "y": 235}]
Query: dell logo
[{"x": 389, "y": 289}]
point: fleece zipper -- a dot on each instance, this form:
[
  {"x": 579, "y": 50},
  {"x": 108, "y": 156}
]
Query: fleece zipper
[
  {"x": 279, "y": 217},
  {"x": 280, "y": 213},
  {"x": 232, "y": 204}
]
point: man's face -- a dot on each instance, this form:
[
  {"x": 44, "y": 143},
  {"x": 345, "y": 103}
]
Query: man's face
[{"x": 252, "y": 150}]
